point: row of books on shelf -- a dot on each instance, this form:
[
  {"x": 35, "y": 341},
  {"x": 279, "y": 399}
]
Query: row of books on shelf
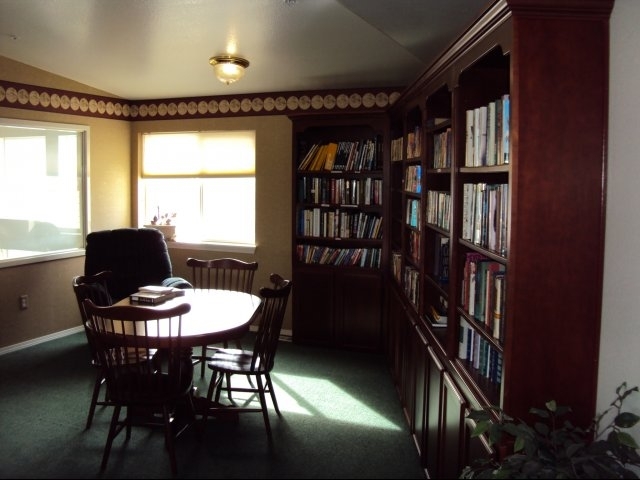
[
  {"x": 324, "y": 255},
  {"x": 413, "y": 247},
  {"x": 480, "y": 354},
  {"x": 411, "y": 283},
  {"x": 439, "y": 208},
  {"x": 396, "y": 266},
  {"x": 340, "y": 191},
  {"x": 413, "y": 178},
  {"x": 413, "y": 213},
  {"x": 487, "y": 134},
  {"x": 440, "y": 269},
  {"x": 397, "y": 149},
  {"x": 414, "y": 143},
  {"x": 442, "y": 149},
  {"x": 337, "y": 223},
  {"x": 483, "y": 290},
  {"x": 485, "y": 214},
  {"x": 154, "y": 294},
  {"x": 343, "y": 156}
]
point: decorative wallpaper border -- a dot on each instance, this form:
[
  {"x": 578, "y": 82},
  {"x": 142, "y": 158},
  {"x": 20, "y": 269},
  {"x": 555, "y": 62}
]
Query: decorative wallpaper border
[{"x": 32, "y": 97}]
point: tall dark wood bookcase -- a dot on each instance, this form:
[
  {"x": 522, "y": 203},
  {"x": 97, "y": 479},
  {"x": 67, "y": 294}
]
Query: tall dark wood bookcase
[
  {"x": 542, "y": 230},
  {"x": 339, "y": 229}
]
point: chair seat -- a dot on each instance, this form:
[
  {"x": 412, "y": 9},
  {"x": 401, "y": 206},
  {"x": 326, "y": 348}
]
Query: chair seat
[{"x": 232, "y": 360}]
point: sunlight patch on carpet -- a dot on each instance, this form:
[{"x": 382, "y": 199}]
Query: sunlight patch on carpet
[{"x": 315, "y": 396}]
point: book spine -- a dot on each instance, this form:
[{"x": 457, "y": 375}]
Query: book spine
[
  {"x": 506, "y": 114},
  {"x": 145, "y": 300},
  {"x": 469, "y": 137}
]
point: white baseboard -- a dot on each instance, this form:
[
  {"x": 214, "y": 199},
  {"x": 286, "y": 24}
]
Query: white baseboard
[
  {"x": 285, "y": 336},
  {"x": 39, "y": 340}
]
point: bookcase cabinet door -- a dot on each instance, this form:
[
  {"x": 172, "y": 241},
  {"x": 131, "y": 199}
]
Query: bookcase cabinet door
[
  {"x": 433, "y": 405},
  {"x": 313, "y": 306},
  {"x": 359, "y": 309},
  {"x": 452, "y": 429},
  {"x": 338, "y": 308},
  {"x": 418, "y": 412},
  {"x": 396, "y": 328}
]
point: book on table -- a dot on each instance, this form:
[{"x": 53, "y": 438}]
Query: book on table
[{"x": 155, "y": 294}]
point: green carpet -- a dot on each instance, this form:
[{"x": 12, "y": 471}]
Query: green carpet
[{"x": 341, "y": 418}]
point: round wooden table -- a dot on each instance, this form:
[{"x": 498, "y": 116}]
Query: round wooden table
[{"x": 215, "y": 316}]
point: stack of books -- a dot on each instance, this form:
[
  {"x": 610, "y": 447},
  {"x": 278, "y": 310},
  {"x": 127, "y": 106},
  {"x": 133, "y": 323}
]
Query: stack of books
[{"x": 154, "y": 294}]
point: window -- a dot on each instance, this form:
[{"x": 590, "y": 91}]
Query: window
[
  {"x": 207, "y": 179},
  {"x": 42, "y": 190}
]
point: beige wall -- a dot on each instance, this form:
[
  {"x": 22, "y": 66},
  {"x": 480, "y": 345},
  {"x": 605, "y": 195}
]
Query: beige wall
[{"x": 112, "y": 167}]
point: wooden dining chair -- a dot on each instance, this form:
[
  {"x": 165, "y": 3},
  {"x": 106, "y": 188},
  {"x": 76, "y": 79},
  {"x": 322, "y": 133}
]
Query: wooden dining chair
[
  {"x": 151, "y": 387},
  {"x": 257, "y": 363},
  {"x": 225, "y": 274},
  {"x": 95, "y": 288}
]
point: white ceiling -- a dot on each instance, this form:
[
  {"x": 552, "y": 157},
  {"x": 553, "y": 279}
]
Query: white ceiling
[{"x": 153, "y": 49}]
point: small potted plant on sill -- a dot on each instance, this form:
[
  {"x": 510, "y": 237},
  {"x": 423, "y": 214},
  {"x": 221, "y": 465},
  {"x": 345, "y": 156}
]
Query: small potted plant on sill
[
  {"x": 553, "y": 448},
  {"x": 165, "y": 223}
]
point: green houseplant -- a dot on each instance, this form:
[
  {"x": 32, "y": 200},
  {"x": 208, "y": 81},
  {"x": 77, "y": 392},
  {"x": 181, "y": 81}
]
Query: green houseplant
[{"x": 554, "y": 448}]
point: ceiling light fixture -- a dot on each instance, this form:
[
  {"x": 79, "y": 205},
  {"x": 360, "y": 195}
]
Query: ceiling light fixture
[{"x": 228, "y": 68}]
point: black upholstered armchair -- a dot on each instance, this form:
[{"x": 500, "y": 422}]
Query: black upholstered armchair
[{"x": 136, "y": 256}]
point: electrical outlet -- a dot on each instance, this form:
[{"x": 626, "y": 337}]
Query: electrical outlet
[{"x": 24, "y": 302}]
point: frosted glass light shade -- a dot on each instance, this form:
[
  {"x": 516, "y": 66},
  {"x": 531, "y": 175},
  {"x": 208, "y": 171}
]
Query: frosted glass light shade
[{"x": 228, "y": 69}]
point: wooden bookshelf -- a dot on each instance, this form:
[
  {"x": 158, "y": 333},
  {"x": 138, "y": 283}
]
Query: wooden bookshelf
[
  {"x": 512, "y": 124},
  {"x": 340, "y": 253}
]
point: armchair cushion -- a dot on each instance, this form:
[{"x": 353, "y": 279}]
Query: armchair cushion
[{"x": 136, "y": 256}]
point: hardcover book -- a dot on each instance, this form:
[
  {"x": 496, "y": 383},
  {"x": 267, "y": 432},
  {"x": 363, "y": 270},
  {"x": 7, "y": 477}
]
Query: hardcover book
[
  {"x": 155, "y": 294},
  {"x": 150, "y": 298}
]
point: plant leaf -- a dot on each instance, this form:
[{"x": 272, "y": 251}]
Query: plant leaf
[
  {"x": 480, "y": 428},
  {"x": 573, "y": 448},
  {"x": 495, "y": 433},
  {"x": 518, "y": 444},
  {"x": 625, "y": 439},
  {"x": 539, "y": 412},
  {"x": 542, "y": 428},
  {"x": 626, "y": 420},
  {"x": 479, "y": 415},
  {"x": 511, "y": 429}
]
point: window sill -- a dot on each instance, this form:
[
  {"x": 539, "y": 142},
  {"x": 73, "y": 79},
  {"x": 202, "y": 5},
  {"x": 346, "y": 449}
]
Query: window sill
[
  {"x": 26, "y": 258},
  {"x": 211, "y": 246}
]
